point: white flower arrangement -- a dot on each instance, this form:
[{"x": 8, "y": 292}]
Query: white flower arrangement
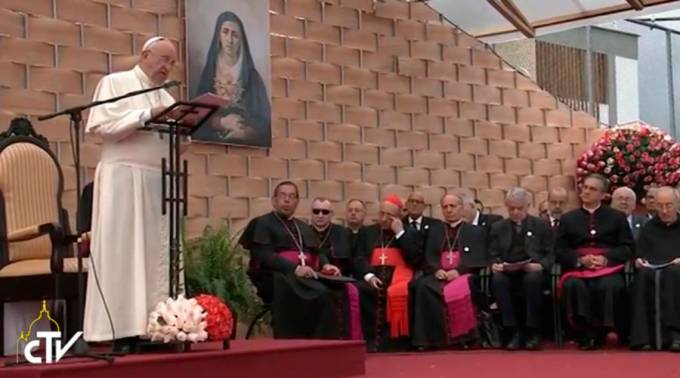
[{"x": 178, "y": 319}]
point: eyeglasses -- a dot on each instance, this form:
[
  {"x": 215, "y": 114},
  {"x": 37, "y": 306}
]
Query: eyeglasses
[
  {"x": 321, "y": 211},
  {"x": 416, "y": 202}
]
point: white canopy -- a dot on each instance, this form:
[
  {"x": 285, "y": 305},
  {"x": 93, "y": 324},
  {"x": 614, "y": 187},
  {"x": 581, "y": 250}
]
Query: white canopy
[{"x": 503, "y": 20}]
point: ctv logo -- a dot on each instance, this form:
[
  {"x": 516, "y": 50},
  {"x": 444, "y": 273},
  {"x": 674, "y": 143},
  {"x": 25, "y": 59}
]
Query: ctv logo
[{"x": 52, "y": 353}]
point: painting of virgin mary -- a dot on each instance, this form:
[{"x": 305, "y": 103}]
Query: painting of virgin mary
[{"x": 230, "y": 73}]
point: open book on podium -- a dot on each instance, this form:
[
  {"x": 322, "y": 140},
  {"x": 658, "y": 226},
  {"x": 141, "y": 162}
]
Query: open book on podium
[{"x": 187, "y": 116}]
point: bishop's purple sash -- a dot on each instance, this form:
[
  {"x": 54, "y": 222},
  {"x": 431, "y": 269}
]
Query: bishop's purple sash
[{"x": 459, "y": 307}]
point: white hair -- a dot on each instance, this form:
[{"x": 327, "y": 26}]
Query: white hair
[
  {"x": 676, "y": 193},
  {"x": 625, "y": 189},
  {"x": 519, "y": 194},
  {"x": 462, "y": 196}
]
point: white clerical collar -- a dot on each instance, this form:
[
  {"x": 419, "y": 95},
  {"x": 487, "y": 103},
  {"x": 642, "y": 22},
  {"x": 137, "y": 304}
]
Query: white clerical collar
[
  {"x": 456, "y": 223},
  {"x": 476, "y": 220}
]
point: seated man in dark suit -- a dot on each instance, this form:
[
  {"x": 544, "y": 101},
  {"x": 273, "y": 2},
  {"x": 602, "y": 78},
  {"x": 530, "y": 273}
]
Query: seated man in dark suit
[
  {"x": 557, "y": 205},
  {"x": 521, "y": 251},
  {"x": 475, "y": 216},
  {"x": 415, "y": 207},
  {"x": 625, "y": 200}
]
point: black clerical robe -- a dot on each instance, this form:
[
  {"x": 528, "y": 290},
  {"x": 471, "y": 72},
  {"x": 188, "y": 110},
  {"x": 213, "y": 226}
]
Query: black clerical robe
[
  {"x": 656, "y": 290},
  {"x": 530, "y": 241},
  {"x": 594, "y": 298},
  {"x": 443, "y": 311},
  {"x": 301, "y": 307},
  {"x": 335, "y": 241},
  {"x": 353, "y": 240},
  {"x": 381, "y": 253}
]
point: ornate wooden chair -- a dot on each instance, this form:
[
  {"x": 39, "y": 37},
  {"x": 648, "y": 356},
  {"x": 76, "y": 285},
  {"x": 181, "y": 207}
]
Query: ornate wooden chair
[{"x": 35, "y": 245}]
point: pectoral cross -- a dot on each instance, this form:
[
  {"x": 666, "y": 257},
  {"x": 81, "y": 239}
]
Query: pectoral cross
[
  {"x": 450, "y": 257},
  {"x": 302, "y": 258},
  {"x": 383, "y": 257}
]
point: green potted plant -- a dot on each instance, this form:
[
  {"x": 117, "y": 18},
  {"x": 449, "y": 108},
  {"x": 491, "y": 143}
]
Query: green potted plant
[{"x": 215, "y": 264}]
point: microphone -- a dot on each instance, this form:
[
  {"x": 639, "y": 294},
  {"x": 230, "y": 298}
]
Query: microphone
[{"x": 171, "y": 83}]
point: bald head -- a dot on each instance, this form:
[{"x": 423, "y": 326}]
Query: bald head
[
  {"x": 158, "y": 58},
  {"x": 557, "y": 202},
  {"x": 624, "y": 199},
  {"x": 667, "y": 204},
  {"x": 415, "y": 205},
  {"x": 355, "y": 213}
]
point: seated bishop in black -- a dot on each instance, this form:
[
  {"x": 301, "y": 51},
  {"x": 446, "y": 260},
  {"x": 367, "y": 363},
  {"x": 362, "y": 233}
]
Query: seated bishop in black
[
  {"x": 446, "y": 298},
  {"x": 302, "y": 305},
  {"x": 593, "y": 244}
]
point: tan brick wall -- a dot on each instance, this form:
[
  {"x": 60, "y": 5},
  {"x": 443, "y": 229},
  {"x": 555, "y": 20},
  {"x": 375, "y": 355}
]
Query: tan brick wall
[{"x": 367, "y": 98}]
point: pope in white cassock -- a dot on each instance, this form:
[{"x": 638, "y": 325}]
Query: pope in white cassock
[{"x": 129, "y": 240}]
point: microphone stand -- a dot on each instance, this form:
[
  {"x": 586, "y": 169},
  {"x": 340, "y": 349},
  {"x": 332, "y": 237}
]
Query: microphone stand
[{"x": 76, "y": 119}]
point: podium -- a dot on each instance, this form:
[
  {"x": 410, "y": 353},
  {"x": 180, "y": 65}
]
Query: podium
[{"x": 177, "y": 121}]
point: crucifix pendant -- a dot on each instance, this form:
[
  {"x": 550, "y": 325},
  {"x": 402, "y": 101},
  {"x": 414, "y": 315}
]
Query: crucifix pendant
[
  {"x": 302, "y": 258},
  {"x": 450, "y": 257},
  {"x": 383, "y": 257}
]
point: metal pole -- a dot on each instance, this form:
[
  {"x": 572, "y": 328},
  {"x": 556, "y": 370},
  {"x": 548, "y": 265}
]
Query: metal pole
[
  {"x": 178, "y": 202},
  {"x": 671, "y": 84},
  {"x": 589, "y": 70},
  {"x": 171, "y": 215}
]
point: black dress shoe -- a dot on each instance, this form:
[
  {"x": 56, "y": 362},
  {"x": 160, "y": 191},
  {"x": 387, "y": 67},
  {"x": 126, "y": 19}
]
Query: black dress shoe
[
  {"x": 675, "y": 346},
  {"x": 588, "y": 343},
  {"x": 515, "y": 342},
  {"x": 641, "y": 348},
  {"x": 533, "y": 341},
  {"x": 125, "y": 345}
]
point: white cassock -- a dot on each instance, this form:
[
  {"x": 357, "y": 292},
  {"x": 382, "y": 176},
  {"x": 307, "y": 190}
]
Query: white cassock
[{"x": 129, "y": 240}]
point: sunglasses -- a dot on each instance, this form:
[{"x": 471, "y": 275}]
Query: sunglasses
[{"x": 321, "y": 211}]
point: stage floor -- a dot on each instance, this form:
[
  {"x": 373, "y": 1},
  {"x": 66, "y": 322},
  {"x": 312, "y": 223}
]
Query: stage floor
[
  {"x": 550, "y": 363},
  {"x": 252, "y": 359}
]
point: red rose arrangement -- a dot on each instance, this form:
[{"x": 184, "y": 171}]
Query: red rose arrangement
[
  {"x": 218, "y": 317},
  {"x": 627, "y": 155},
  {"x": 668, "y": 168}
]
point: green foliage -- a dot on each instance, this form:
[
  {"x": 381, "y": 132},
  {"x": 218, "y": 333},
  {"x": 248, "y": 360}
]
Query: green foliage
[{"x": 215, "y": 264}]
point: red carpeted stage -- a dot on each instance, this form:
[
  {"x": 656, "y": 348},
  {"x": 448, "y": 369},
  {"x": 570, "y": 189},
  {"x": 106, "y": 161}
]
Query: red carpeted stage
[
  {"x": 253, "y": 359},
  {"x": 336, "y": 359},
  {"x": 552, "y": 363}
]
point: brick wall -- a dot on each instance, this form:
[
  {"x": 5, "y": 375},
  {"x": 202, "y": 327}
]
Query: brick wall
[{"x": 367, "y": 99}]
